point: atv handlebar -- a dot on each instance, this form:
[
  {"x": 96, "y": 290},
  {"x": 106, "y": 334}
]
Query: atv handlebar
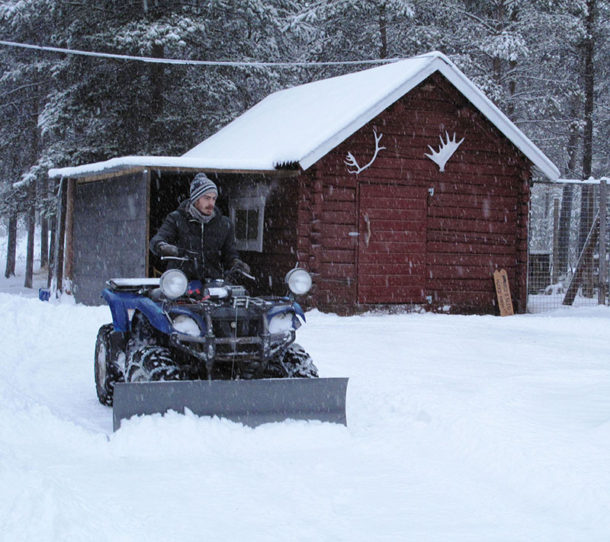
[
  {"x": 184, "y": 256},
  {"x": 176, "y": 258},
  {"x": 190, "y": 256},
  {"x": 241, "y": 272}
]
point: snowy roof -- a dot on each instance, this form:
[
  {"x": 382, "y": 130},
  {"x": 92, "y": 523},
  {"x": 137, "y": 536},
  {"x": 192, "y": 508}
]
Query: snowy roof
[
  {"x": 126, "y": 164},
  {"x": 299, "y": 125}
]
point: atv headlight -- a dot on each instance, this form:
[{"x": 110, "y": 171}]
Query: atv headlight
[
  {"x": 281, "y": 322},
  {"x": 185, "y": 324},
  {"x": 299, "y": 281},
  {"x": 173, "y": 283}
]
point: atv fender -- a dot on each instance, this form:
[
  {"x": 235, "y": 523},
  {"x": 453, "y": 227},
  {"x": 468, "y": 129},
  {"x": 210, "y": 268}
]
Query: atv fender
[{"x": 120, "y": 303}]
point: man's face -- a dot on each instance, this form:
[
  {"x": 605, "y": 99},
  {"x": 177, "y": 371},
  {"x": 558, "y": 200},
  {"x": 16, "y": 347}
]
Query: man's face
[{"x": 205, "y": 204}]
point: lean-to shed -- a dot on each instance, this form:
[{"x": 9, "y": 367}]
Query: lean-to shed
[{"x": 400, "y": 184}]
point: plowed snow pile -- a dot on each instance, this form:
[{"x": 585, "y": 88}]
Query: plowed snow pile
[{"x": 460, "y": 428}]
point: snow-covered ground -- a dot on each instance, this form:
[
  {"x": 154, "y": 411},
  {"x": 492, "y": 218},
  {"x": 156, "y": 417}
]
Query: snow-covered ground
[{"x": 460, "y": 428}]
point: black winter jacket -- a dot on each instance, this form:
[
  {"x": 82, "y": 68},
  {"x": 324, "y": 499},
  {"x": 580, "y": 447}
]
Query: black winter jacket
[{"x": 215, "y": 241}]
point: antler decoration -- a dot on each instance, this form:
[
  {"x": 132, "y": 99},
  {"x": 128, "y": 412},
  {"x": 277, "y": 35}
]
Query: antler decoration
[
  {"x": 351, "y": 161},
  {"x": 445, "y": 151}
]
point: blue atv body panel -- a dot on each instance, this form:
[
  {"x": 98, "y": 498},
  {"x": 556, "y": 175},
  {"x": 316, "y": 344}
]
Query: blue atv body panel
[{"x": 121, "y": 302}]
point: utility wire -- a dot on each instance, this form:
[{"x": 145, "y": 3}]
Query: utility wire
[{"x": 177, "y": 61}]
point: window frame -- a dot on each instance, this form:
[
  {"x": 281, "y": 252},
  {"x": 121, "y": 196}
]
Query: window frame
[{"x": 252, "y": 203}]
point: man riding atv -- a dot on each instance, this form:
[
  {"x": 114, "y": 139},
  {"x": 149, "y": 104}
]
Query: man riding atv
[
  {"x": 206, "y": 344},
  {"x": 198, "y": 228}
]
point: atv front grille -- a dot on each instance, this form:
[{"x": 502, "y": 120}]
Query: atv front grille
[
  {"x": 238, "y": 330},
  {"x": 237, "y": 327}
]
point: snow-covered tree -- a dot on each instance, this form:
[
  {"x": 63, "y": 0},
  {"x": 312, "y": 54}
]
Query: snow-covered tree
[
  {"x": 23, "y": 86},
  {"x": 529, "y": 57},
  {"x": 355, "y": 29}
]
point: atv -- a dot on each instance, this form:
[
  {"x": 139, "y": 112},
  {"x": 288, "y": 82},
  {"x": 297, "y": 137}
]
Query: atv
[{"x": 211, "y": 348}]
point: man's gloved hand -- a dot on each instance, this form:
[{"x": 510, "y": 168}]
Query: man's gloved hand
[
  {"x": 240, "y": 266},
  {"x": 165, "y": 249}
]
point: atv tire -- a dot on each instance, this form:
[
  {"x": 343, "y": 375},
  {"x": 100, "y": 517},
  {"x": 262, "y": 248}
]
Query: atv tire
[
  {"x": 294, "y": 363},
  {"x": 106, "y": 365},
  {"x": 151, "y": 363}
]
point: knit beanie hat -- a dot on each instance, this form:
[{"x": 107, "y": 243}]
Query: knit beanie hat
[{"x": 200, "y": 185}]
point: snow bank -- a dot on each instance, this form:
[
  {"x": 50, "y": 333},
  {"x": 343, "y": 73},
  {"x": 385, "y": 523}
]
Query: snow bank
[{"x": 460, "y": 428}]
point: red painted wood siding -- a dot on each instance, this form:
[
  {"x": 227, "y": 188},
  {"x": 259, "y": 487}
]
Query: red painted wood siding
[
  {"x": 476, "y": 221},
  {"x": 327, "y": 218},
  {"x": 392, "y": 244}
]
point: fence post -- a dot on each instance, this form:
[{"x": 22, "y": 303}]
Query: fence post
[{"x": 603, "y": 267}]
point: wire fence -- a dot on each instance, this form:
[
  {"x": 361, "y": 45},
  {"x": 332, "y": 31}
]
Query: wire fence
[{"x": 569, "y": 245}]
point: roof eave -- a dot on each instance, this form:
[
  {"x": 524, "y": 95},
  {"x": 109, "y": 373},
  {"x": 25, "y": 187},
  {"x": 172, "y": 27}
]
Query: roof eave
[{"x": 95, "y": 174}]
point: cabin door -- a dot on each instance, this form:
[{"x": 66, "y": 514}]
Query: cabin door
[{"x": 392, "y": 243}]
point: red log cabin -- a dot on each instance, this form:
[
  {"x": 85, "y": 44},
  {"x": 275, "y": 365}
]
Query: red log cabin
[{"x": 399, "y": 185}]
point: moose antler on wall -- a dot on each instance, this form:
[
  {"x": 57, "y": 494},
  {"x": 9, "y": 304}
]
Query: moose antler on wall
[
  {"x": 351, "y": 161},
  {"x": 445, "y": 151}
]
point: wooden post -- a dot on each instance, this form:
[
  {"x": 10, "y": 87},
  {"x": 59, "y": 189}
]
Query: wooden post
[
  {"x": 53, "y": 228},
  {"x": 60, "y": 224},
  {"x": 147, "y": 178},
  {"x": 44, "y": 225},
  {"x": 69, "y": 222},
  {"x": 53, "y": 231},
  {"x": 603, "y": 264}
]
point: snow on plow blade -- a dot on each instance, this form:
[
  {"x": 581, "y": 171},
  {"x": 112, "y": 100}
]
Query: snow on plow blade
[{"x": 251, "y": 402}]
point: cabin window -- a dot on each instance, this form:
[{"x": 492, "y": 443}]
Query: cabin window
[{"x": 248, "y": 215}]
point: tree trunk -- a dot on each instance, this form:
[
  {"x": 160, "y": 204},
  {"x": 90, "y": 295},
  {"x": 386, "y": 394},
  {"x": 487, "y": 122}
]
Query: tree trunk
[
  {"x": 586, "y": 206},
  {"x": 565, "y": 223},
  {"x": 31, "y": 197},
  {"x": 589, "y": 88},
  {"x": 512, "y": 88},
  {"x": 512, "y": 71},
  {"x": 157, "y": 75},
  {"x": 383, "y": 32},
  {"x": 11, "y": 246},
  {"x": 29, "y": 259},
  {"x": 567, "y": 199}
]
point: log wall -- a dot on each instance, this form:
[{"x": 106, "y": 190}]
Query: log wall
[{"x": 474, "y": 214}]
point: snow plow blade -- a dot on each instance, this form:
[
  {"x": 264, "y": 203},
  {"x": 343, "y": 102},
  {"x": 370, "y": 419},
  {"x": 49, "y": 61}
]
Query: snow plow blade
[{"x": 251, "y": 402}]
